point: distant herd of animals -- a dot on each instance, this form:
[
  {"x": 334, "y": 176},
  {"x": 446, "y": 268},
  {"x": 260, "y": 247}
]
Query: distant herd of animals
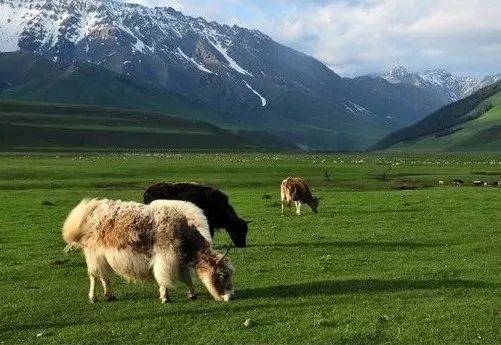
[
  {"x": 476, "y": 183},
  {"x": 168, "y": 238}
]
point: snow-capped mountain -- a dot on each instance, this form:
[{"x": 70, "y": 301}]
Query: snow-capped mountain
[
  {"x": 243, "y": 74},
  {"x": 447, "y": 87},
  {"x": 150, "y": 44}
]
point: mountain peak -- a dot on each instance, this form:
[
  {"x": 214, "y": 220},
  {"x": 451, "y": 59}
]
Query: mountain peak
[
  {"x": 441, "y": 82},
  {"x": 399, "y": 74},
  {"x": 436, "y": 73},
  {"x": 399, "y": 69}
]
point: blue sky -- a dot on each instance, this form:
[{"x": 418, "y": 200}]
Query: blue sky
[{"x": 363, "y": 36}]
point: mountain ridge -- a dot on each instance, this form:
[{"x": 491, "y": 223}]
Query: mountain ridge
[
  {"x": 448, "y": 87},
  {"x": 241, "y": 73}
]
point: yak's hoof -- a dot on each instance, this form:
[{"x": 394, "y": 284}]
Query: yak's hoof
[
  {"x": 110, "y": 298},
  {"x": 192, "y": 296},
  {"x": 93, "y": 299},
  {"x": 165, "y": 300}
]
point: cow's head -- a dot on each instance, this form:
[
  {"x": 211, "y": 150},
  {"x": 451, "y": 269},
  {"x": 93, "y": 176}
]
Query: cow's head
[
  {"x": 217, "y": 277},
  {"x": 314, "y": 204}
]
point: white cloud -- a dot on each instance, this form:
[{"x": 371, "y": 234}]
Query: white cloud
[{"x": 358, "y": 37}]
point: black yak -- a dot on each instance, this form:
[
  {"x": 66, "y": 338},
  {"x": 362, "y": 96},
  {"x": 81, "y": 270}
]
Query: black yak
[{"x": 212, "y": 201}]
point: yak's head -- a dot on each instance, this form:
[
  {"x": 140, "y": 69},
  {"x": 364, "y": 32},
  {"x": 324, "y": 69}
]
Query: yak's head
[
  {"x": 217, "y": 276},
  {"x": 238, "y": 231},
  {"x": 314, "y": 204}
]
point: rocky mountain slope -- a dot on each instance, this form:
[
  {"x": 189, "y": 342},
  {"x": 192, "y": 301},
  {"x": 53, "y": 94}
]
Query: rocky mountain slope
[{"x": 28, "y": 77}]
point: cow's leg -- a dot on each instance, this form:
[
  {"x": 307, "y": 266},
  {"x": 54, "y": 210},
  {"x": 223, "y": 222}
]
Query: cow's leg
[
  {"x": 186, "y": 278},
  {"x": 298, "y": 208}
]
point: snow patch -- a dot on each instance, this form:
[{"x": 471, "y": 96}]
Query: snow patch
[
  {"x": 263, "y": 100},
  {"x": 357, "y": 109},
  {"x": 232, "y": 63},
  {"x": 192, "y": 60},
  {"x": 12, "y": 24}
]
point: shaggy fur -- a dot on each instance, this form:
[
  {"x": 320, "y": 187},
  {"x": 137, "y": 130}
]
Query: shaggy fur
[
  {"x": 213, "y": 202},
  {"x": 297, "y": 190},
  {"x": 165, "y": 241}
]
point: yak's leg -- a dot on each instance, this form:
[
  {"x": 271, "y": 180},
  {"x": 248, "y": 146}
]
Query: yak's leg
[
  {"x": 186, "y": 278},
  {"x": 108, "y": 295},
  {"x": 166, "y": 272},
  {"x": 164, "y": 295},
  {"x": 283, "y": 202},
  {"x": 92, "y": 289},
  {"x": 95, "y": 268}
]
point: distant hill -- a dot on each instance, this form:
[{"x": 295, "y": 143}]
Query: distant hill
[
  {"x": 39, "y": 126},
  {"x": 471, "y": 124},
  {"x": 28, "y": 77}
]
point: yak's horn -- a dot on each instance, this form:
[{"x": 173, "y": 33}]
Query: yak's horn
[{"x": 225, "y": 254}]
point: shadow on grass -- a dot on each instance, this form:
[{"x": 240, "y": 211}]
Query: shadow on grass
[
  {"x": 395, "y": 210},
  {"x": 351, "y": 286},
  {"x": 206, "y": 306},
  {"x": 351, "y": 244}
]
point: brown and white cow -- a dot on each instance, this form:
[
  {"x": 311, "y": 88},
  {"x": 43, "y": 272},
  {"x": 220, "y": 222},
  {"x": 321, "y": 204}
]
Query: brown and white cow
[{"x": 297, "y": 190}]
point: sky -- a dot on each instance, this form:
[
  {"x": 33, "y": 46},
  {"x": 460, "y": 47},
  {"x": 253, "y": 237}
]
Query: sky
[{"x": 357, "y": 37}]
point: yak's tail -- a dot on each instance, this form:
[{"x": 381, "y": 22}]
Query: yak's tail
[{"x": 72, "y": 228}]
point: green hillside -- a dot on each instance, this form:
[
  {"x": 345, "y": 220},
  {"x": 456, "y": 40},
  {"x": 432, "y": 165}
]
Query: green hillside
[
  {"x": 39, "y": 126},
  {"x": 471, "y": 124},
  {"x": 27, "y": 77}
]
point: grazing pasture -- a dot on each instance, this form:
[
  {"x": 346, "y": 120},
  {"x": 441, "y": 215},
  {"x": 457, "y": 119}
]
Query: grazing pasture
[{"x": 391, "y": 258}]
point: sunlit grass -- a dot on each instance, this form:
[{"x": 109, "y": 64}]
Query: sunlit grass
[{"x": 377, "y": 265}]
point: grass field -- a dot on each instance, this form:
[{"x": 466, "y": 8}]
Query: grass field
[{"x": 382, "y": 263}]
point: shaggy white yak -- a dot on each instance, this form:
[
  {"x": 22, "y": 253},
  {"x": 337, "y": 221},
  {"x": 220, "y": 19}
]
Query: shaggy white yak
[{"x": 166, "y": 240}]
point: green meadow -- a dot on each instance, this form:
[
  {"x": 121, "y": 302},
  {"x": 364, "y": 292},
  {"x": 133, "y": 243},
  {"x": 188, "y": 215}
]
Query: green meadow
[{"x": 392, "y": 257}]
